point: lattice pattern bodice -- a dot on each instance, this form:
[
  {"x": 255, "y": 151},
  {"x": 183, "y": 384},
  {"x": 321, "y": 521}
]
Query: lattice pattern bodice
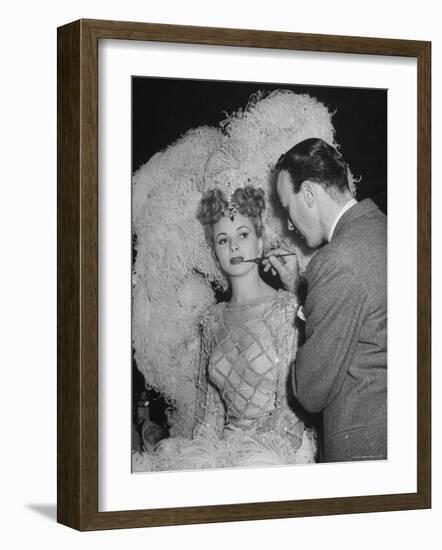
[{"x": 247, "y": 350}]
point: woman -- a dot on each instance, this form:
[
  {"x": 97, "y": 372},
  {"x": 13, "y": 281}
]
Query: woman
[
  {"x": 249, "y": 342},
  {"x": 242, "y": 411}
]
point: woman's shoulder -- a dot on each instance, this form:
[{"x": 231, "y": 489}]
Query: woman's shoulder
[
  {"x": 281, "y": 304},
  {"x": 209, "y": 316},
  {"x": 285, "y": 301}
]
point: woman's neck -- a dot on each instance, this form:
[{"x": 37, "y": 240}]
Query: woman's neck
[{"x": 249, "y": 286}]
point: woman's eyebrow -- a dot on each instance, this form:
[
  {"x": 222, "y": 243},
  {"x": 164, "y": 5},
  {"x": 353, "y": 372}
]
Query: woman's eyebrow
[
  {"x": 243, "y": 227},
  {"x": 216, "y": 236}
]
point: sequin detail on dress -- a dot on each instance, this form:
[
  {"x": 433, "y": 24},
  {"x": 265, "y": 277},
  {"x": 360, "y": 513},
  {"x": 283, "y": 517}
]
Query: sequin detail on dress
[{"x": 247, "y": 351}]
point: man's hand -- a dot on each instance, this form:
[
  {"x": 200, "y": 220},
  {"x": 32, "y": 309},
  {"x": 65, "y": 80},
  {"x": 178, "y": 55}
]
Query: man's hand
[{"x": 287, "y": 268}]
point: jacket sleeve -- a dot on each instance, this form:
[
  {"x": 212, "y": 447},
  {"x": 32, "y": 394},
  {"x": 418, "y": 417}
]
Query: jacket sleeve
[
  {"x": 335, "y": 308},
  {"x": 209, "y": 408}
]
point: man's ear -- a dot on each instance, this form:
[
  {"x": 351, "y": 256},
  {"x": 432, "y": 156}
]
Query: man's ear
[{"x": 309, "y": 192}]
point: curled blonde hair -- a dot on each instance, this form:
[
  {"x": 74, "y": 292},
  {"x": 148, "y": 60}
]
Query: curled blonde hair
[{"x": 248, "y": 200}]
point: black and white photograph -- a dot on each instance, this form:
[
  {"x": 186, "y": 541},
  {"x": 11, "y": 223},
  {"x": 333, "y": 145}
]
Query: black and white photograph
[
  {"x": 221, "y": 264},
  {"x": 259, "y": 274}
]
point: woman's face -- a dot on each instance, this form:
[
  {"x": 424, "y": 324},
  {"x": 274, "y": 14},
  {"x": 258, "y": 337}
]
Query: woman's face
[{"x": 236, "y": 239}]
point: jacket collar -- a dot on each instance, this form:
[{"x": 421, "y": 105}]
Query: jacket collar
[
  {"x": 349, "y": 204},
  {"x": 360, "y": 209}
]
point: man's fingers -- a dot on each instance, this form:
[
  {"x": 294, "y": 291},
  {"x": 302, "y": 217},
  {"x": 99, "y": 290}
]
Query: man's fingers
[
  {"x": 276, "y": 263},
  {"x": 287, "y": 268},
  {"x": 266, "y": 265}
]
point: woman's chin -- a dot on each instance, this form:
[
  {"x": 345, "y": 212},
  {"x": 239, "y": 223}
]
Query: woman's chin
[{"x": 240, "y": 269}]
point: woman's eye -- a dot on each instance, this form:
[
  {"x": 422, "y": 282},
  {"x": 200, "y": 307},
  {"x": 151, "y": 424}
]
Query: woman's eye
[
  {"x": 244, "y": 235},
  {"x": 222, "y": 241}
]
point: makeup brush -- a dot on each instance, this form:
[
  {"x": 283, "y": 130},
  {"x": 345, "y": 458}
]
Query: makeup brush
[{"x": 240, "y": 259}]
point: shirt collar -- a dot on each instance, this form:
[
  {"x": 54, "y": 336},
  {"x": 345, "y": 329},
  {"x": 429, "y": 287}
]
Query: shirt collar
[{"x": 344, "y": 209}]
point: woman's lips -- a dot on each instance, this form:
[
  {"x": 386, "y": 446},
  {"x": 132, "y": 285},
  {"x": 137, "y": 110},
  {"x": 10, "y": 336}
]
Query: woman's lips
[{"x": 236, "y": 260}]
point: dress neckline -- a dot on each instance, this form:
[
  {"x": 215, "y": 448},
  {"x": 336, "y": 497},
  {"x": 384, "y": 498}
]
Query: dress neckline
[{"x": 251, "y": 301}]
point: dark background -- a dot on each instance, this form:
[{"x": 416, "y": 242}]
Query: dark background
[{"x": 163, "y": 109}]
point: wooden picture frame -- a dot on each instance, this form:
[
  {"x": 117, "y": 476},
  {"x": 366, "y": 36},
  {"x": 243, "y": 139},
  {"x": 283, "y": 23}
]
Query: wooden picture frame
[{"x": 77, "y": 225}]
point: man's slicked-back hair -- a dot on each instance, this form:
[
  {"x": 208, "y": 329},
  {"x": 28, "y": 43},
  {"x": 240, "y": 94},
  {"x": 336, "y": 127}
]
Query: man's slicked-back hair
[{"x": 315, "y": 160}]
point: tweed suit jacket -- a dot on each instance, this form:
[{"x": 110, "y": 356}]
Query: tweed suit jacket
[{"x": 341, "y": 369}]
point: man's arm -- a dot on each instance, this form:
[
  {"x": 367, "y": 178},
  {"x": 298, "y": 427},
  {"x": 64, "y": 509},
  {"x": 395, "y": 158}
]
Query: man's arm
[{"x": 335, "y": 309}]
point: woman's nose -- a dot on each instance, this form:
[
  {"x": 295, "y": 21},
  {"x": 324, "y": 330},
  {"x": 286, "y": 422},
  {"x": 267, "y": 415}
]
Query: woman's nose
[{"x": 234, "y": 245}]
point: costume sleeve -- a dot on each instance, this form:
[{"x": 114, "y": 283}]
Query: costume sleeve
[
  {"x": 335, "y": 309},
  {"x": 286, "y": 347},
  {"x": 283, "y": 419},
  {"x": 209, "y": 408}
]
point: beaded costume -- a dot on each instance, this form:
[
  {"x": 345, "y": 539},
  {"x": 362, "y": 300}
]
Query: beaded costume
[
  {"x": 247, "y": 349},
  {"x": 242, "y": 414}
]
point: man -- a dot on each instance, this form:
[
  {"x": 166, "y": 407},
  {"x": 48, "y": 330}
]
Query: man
[{"x": 341, "y": 369}]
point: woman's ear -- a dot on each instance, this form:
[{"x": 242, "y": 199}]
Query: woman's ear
[{"x": 260, "y": 246}]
